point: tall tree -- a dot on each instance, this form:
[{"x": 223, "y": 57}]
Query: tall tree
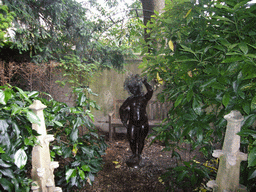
[{"x": 149, "y": 6}]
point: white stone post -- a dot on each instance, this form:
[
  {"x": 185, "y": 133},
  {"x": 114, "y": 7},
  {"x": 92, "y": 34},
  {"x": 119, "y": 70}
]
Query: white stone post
[
  {"x": 227, "y": 179},
  {"x": 42, "y": 167}
]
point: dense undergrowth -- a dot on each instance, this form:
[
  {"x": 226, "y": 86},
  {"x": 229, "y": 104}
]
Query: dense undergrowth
[{"x": 79, "y": 154}]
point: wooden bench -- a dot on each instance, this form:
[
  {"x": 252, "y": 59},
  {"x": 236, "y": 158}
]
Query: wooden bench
[{"x": 156, "y": 112}]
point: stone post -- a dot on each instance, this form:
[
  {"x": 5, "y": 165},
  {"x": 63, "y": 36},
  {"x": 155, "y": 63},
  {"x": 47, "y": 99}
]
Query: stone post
[
  {"x": 42, "y": 167},
  {"x": 230, "y": 157}
]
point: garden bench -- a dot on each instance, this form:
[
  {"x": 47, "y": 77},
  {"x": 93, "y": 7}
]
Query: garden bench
[{"x": 156, "y": 112}]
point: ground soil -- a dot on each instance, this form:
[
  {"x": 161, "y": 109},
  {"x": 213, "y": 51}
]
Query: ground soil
[{"x": 116, "y": 176}]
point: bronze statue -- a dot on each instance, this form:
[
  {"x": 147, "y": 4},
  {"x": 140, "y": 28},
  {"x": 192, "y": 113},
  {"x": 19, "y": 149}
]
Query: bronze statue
[{"x": 134, "y": 117}]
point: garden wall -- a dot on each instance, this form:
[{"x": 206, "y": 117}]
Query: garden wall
[{"x": 108, "y": 84}]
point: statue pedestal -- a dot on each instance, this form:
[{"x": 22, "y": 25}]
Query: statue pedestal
[
  {"x": 230, "y": 157},
  {"x": 135, "y": 162}
]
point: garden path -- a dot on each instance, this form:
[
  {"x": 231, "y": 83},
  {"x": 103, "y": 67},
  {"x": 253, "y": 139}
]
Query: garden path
[{"x": 117, "y": 177}]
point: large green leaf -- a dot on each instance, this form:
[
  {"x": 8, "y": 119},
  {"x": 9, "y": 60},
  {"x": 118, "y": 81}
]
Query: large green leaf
[
  {"x": 1, "y": 150},
  {"x": 223, "y": 19},
  {"x": 252, "y": 175},
  {"x": 20, "y": 158},
  {"x": 253, "y": 103},
  {"x": 86, "y": 168},
  {"x": 252, "y": 157},
  {"x": 33, "y": 94},
  {"x": 24, "y": 95},
  {"x": 8, "y": 172},
  {"x": 2, "y": 97},
  {"x": 74, "y": 134},
  {"x": 6, "y": 184},
  {"x": 87, "y": 151},
  {"x": 246, "y": 107},
  {"x": 232, "y": 59},
  {"x": 196, "y": 105},
  {"x": 32, "y": 117},
  {"x": 217, "y": 85},
  {"x": 3, "y": 126},
  {"x": 4, "y": 164},
  {"x": 249, "y": 120},
  {"x": 178, "y": 100},
  {"x": 189, "y": 95},
  {"x": 243, "y": 47},
  {"x": 70, "y": 173},
  {"x": 225, "y": 99},
  {"x": 247, "y": 132},
  {"x": 81, "y": 174}
]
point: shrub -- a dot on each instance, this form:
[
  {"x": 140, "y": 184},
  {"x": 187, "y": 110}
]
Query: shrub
[
  {"x": 208, "y": 69},
  {"x": 79, "y": 155}
]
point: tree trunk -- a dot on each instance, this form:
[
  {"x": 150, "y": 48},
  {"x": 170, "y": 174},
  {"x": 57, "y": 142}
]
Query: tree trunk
[{"x": 148, "y": 10}]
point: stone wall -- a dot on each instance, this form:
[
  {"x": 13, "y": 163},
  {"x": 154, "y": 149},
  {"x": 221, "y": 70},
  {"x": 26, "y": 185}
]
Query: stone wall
[{"x": 109, "y": 86}]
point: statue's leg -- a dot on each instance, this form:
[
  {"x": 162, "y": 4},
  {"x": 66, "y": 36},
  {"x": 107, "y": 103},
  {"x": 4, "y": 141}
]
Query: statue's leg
[
  {"x": 132, "y": 139},
  {"x": 142, "y": 136}
]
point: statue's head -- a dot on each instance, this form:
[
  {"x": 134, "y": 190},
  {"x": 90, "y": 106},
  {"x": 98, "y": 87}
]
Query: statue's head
[{"x": 133, "y": 84}]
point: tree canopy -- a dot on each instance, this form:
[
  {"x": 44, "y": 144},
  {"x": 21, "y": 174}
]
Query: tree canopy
[
  {"x": 51, "y": 29},
  {"x": 6, "y": 18}
]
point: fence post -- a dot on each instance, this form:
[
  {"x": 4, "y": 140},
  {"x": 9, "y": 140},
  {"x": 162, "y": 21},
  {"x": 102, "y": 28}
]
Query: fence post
[
  {"x": 42, "y": 167},
  {"x": 230, "y": 157}
]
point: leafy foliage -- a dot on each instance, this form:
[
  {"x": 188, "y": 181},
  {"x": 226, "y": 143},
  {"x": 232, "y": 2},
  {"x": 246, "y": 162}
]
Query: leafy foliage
[
  {"x": 188, "y": 176},
  {"x": 16, "y": 138},
  {"x": 209, "y": 73},
  {"x": 79, "y": 154},
  {"x": 49, "y": 30},
  {"x": 6, "y": 18},
  {"x": 127, "y": 30}
]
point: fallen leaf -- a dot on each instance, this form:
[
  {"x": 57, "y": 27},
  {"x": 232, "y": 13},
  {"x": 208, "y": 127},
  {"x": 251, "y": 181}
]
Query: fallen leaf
[{"x": 118, "y": 166}]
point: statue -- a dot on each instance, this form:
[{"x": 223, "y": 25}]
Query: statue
[{"x": 134, "y": 117}]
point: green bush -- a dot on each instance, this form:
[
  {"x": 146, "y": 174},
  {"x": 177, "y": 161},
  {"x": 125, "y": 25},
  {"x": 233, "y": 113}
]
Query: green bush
[
  {"x": 208, "y": 69},
  {"x": 16, "y": 138},
  {"x": 79, "y": 155},
  {"x": 192, "y": 175}
]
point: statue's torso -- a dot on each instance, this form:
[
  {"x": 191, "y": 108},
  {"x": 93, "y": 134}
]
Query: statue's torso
[{"x": 138, "y": 113}]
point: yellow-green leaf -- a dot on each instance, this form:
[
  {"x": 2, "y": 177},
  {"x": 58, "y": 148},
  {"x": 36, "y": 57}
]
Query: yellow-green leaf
[
  {"x": 171, "y": 45},
  {"x": 159, "y": 79},
  {"x": 118, "y": 166},
  {"x": 188, "y": 12}
]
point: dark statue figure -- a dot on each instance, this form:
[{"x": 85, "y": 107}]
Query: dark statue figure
[{"x": 134, "y": 117}]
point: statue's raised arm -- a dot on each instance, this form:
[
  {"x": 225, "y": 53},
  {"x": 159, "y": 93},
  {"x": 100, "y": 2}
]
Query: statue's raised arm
[{"x": 149, "y": 88}]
